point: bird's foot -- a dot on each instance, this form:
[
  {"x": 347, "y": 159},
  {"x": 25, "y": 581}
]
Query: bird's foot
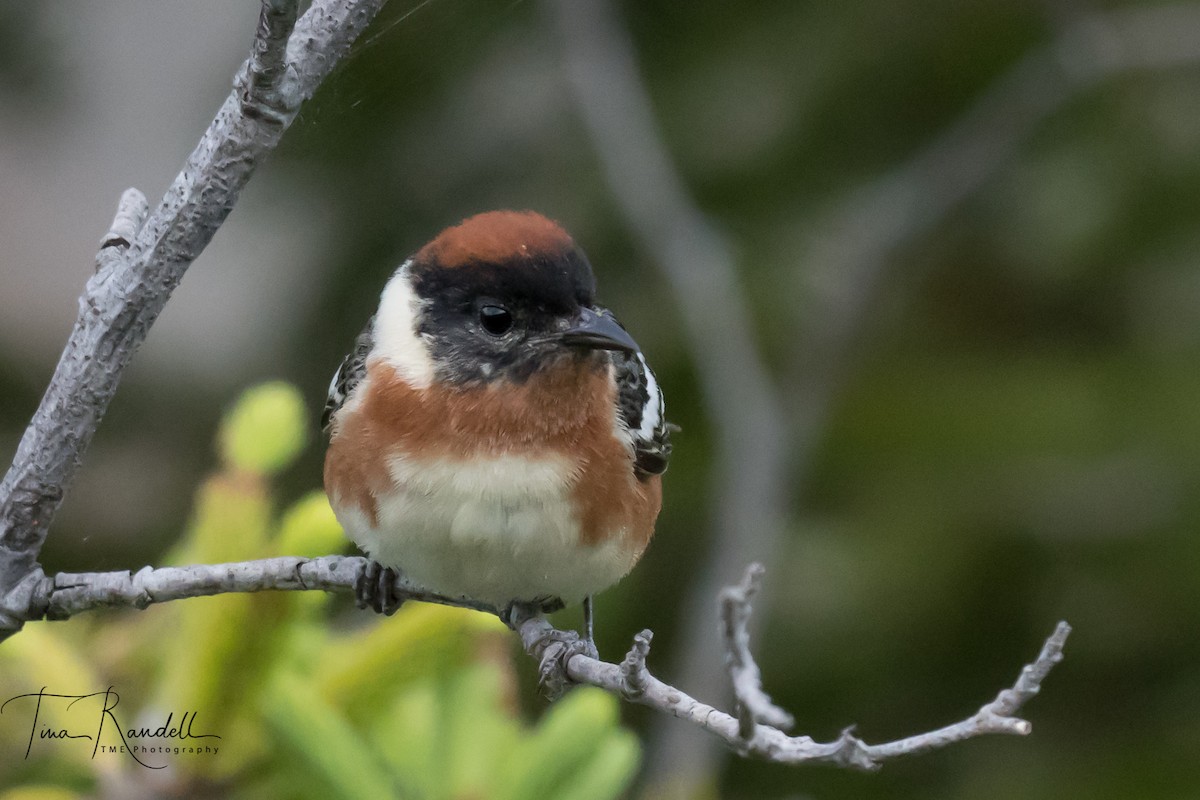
[
  {"x": 554, "y": 649},
  {"x": 375, "y": 588},
  {"x": 557, "y": 648}
]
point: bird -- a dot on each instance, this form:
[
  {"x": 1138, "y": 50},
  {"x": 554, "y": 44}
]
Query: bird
[{"x": 494, "y": 433}]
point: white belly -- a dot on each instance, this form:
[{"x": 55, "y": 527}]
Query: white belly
[{"x": 496, "y": 530}]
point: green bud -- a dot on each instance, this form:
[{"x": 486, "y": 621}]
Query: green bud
[
  {"x": 266, "y": 430},
  {"x": 309, "y": 528}
]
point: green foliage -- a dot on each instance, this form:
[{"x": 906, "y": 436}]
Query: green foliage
[
  {"x": 573, "y": 754},
  {"x": 308, "y": 700},
  {"x": 40, "y": 793},
  {"x": 265, "y": 431}
]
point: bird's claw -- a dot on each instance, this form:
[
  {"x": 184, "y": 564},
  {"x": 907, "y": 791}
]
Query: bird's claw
[
  {"x": 375, "y": 588},
  {"x": 557, "y": 648}
]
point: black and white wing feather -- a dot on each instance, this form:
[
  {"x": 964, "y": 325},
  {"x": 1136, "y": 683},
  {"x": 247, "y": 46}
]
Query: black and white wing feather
[
  {"x": 640, "y": 404},
  {"x": 349, "y": 374}
]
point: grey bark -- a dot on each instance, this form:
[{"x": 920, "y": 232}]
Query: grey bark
[
  {"x": 758, "y": 732},
  {"x": 144, "y": 257}
]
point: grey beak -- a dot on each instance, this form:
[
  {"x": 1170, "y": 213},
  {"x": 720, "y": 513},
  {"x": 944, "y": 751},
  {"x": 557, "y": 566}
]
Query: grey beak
[{"x": 599, "y": 332}]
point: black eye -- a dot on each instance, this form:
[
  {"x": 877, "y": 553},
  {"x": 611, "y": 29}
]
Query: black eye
[{"x": 496, "y": 320}]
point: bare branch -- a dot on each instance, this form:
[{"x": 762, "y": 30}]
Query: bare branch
[
  {"x": 140, "y": 263},
  {"x": 753, "y": 704},
  {"x": 633, "y": 681},
  {"x": 633, "y": 669},
  {"x": 67, "y": 594},
  {"x": 998, "y": 716},
  {"x": 261, "y": 79}
]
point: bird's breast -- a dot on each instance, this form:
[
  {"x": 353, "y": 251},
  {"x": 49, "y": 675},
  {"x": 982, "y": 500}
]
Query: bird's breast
[
  {"x": 498, "y": 497},
  {"x": 495, "y": 529},
  {"x": 517, "y": 499}
]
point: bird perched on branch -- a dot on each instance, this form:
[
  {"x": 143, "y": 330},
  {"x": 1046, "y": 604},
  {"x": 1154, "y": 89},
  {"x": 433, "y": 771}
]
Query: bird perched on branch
[{"x": 495, "y": 433}]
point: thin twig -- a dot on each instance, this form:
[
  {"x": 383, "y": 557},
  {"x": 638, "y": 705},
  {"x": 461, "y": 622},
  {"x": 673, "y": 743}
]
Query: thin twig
[
  {"x": 263, "y": 74},
  {"x": 634, "y": 673},
  {"x": 753, "y": 704},
  {"x": 67, "y": 594},
  {"x": 767, "y": 741}
]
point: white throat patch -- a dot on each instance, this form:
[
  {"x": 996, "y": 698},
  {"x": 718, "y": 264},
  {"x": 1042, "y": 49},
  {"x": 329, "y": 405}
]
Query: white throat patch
[{"x": 396, "y": 338}]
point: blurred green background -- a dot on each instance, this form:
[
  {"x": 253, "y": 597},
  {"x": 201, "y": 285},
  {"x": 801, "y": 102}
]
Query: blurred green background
[{"x": 1010, "y": 430}]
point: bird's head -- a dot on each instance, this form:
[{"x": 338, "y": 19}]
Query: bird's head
[{"x": 499, "y": 296}]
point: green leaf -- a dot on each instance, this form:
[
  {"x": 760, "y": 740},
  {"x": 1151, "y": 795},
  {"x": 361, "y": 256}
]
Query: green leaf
[
  {"x": 478, "y": 736},
  {"x": 230, "y": 522},
  {"x": 364, "y": 669},
  {"x": 266, "y": 430},
  {"x": 445, "y": 736},
  {"x": 327, "y": 749},
  {"x": 309, "y": 528},
  {"x": 407, "y": 739},
  {"x": 563, "y": 744},
  {"x": 215, "y": 636},
  {"x": 608, "y": 773},
  {"x": 40, "y": 793},
  {"x": 44, "y": 655},
  {"x": 222, "y": 649}
]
